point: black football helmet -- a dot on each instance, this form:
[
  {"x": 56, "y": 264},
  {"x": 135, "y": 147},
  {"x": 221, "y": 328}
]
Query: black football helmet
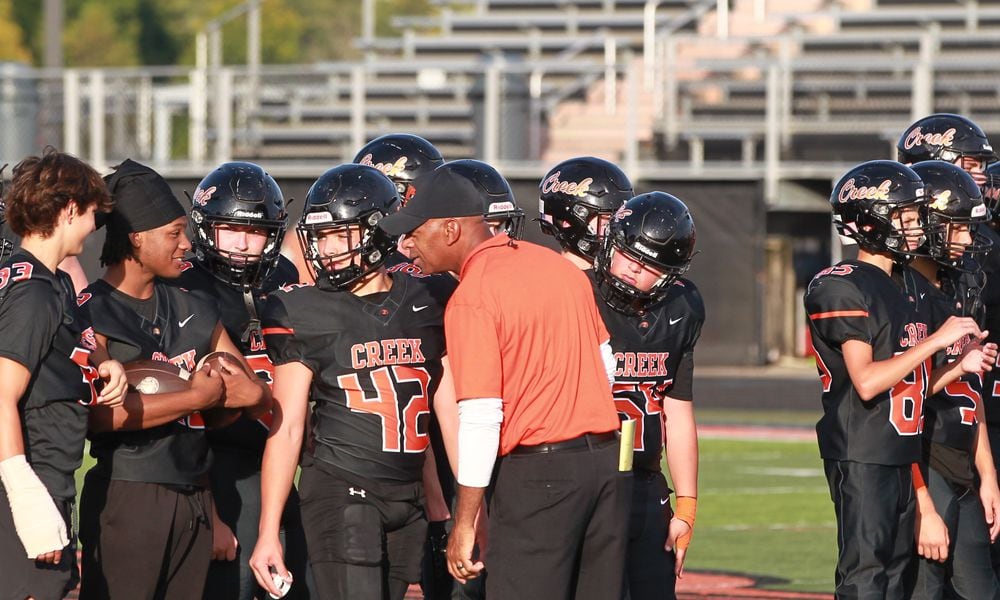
[
  {"x": 575, "y": 195},
  {"x": 655, "y": 229},
  {"x": 500, "y": 208},
  {"x": 238, "y": 193},
  {"x": 352, "y": 198},
  {"x": 402, "y": 157},
  {"x": 944, "y": 136},
  {"x": 953, "y": 198},
  {"x": 864, "y": 202},
  {"x": 991, "y": 192}
]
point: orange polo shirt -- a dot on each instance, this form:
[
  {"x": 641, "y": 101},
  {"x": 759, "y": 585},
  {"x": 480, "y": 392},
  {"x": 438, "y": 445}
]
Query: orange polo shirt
[{"x": 523, "y": 327}]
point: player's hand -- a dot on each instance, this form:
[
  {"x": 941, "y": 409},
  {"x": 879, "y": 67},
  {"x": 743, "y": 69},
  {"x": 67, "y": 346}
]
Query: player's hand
[
  {"x": 50, "y": 558},
  {"x": 932, "y": 536},
  {"x": 115, "y": 383},
  {"x": 990, "y": 497},
  {"x": 241, "y": 390},
  {"x": 990, "y": 352},
  {"x": 267, "y": 556},
  {"x": 677, "y": 531},
  {"x": 224, "y": 543},
  {"x": 955, "y": 329},
  {"x": 460, "y": 545},
  {"x": 207, "y": 387},
  {"x": 973, "y": 359}
]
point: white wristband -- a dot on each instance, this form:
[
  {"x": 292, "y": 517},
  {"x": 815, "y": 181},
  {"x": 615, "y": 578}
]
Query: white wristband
[
  {"x": 479, "y": 422},
  {"x": 39, "y": 524}
]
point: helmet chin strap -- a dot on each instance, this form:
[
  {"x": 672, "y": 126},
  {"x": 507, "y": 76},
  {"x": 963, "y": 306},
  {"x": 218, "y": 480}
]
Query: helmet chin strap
[{"x": 253, "y": 330}]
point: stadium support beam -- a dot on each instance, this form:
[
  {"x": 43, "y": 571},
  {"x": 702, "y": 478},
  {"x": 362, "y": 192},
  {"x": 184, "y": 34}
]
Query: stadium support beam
[
  {"x": 96, "y": 157},
  {"x": 722, "y": 19},
  {"x": 649, "y": 42},
  {"x": 772, "y": 135},
  {"x": 922, "y": 100},
  {"x": 632, "y": 92},
  {"x": 71, "y": 111}
]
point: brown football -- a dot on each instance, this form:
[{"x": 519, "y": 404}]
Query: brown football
[
  {"x": 213, "y": 359},
  {"x": 156, "y": 377}
]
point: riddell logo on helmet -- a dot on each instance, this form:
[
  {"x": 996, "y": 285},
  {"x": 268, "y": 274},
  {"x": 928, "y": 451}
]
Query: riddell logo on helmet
[
  {"x": 388, "y": 169},
  {"x": 919, "y": 138},
  {"x": 499, "y": 206},
  {"x": 851, "y": 192},
  {"x": 552, "y": 185}
]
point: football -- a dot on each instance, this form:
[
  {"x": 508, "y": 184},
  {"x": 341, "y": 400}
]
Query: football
[
  {"x": 156, "y": 377},
  {"x": 213, "y": 359}
]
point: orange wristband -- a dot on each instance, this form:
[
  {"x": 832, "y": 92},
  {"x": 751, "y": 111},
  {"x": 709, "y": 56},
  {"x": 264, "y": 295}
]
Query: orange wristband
[
  {"x": 918, "y": 477},
  {"x": 687, "y": 506}
]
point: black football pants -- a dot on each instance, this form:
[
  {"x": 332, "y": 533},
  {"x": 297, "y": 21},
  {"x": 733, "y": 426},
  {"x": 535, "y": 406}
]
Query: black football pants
[
  {"x": 649, "y": 569},
  {"x": 143, "y": 541},
  {"x": 875, "y": 507},
  {"x": 558, "y": 525},
  {"x": 968, "y": 572}
]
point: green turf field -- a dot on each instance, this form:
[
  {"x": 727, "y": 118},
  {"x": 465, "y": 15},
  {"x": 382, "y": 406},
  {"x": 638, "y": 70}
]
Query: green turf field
[{"x": 764, "y": 510}]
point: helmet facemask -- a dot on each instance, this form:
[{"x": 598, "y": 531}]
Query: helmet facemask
[
  {"x": 367, "y": 249},
  {"x": 238, "y": 269}
]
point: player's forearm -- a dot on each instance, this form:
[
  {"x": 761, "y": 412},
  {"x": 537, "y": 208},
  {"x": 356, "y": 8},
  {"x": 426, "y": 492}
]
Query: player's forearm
[
  {"x": 870, "y": 377},
  {"x": 11, "y": 442},
  {"x": 446, "y": 413},
  {"x": 943, "y": 375},
  {"x": 277, "y": 473},
  {"x": 437, "y": 508},
  {"x": 984, "y": 452},
  {"x": 144, "y": 411},
  {"x": 682, "y": 451},
  {"x": 467, "y": 503}
]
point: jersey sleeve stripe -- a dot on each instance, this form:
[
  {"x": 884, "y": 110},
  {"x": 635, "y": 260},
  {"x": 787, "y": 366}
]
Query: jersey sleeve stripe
[
  {"x": 839, "y": 313},
  {"x": 278, "y": 331}
]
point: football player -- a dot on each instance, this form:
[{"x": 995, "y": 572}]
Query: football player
[
  {"x": 654, "y": 316},
  {"x": 952, "y": 532},
  {"x": 367, "y": 348},
  {"x": 146, "y": 508},
  {"x": 46, "y": 354},
  {"x": 238, "y": 220},
  {"x": 873, "y": 354},
  {"x": 577, "y": 198},
  {"x": 947, "y": 137}
]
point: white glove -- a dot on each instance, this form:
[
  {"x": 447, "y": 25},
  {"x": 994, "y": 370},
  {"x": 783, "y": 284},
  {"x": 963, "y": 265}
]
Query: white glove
[{"x": 38, "y": 522}]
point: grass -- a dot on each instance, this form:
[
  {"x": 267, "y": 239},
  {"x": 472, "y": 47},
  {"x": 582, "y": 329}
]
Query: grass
[{"x": 764, "y": 509}]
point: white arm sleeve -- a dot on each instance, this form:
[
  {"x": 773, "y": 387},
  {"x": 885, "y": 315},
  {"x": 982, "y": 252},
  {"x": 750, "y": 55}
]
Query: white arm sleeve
[
  {"x": 37, "y": 521},
  {"x": 610, "y": 364},
  {"x": 479, "y": 422}
]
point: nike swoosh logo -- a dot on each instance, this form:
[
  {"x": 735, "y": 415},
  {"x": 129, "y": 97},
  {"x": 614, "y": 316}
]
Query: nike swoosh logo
[
  {"x": 664, "y": 501},
  {"x": 674, "y": 321},
  {"x": 420, "y": 308},
  {"x": 185, "y": 321}
]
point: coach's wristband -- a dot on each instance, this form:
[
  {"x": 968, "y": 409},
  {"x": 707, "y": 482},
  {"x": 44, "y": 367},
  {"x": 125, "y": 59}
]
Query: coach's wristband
[{"x": 687, "y": 506}]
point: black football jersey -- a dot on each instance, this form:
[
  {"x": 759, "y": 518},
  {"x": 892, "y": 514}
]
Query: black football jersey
[
  {"x": 650, "y": 351},
  {"x": 854, "y": 300},
  {"x": 44, "y": 331},
  {"x": 991, "y": 305},
  {"x": 246, "y": 436},
  {"x": 175, "y": 453},
  {"x": 376, "y": 363},
  {"x": 949, "y": 415}
]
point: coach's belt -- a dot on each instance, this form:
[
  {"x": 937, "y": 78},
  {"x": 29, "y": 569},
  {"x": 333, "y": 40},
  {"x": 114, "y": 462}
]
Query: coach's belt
[{"x": 586, "y": 440}]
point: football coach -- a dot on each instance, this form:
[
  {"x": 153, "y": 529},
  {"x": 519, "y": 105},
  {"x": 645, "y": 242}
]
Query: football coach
[{"x": 530, "y": 359}]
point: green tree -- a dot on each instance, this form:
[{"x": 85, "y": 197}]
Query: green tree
[
  {"x": 12, "y": 43},
  {"x": 102, "y": 33}
]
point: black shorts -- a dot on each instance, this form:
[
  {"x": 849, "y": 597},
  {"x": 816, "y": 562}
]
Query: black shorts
[
  {"x": 365, "y": 538},
  {"x": 21, "y": 577}
]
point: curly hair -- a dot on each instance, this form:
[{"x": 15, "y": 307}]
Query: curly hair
[{"x": 42, "y": 186}]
